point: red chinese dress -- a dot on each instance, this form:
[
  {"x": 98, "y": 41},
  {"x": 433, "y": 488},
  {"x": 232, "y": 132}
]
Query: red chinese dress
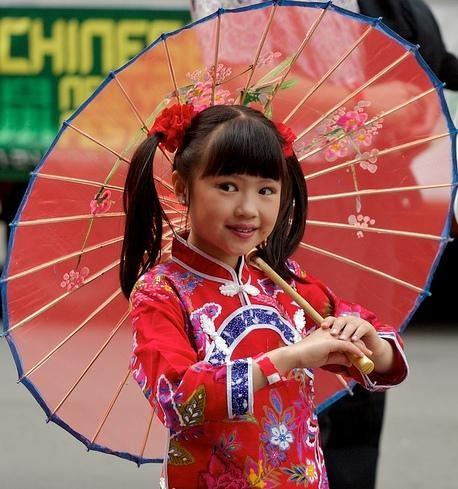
[{"x": 197, "y": 325}]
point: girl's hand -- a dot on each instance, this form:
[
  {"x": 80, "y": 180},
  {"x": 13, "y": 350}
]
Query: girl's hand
[
  {"x": 356, "y": 330},
  {"x": 320, "y": 348}
]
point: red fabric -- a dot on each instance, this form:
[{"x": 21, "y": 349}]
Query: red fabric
[{"x": 196, "y": 330}]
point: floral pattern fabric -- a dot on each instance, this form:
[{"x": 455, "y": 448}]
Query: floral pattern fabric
[{"x": 193, "y": 349}]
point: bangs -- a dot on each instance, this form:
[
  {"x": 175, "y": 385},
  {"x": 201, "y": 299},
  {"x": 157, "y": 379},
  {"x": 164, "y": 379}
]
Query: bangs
[{"x": 245, "y": 146}]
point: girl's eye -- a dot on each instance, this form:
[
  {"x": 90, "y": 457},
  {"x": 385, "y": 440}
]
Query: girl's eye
[
  {"x": 267, "y": 191},
  {"x": 227, "y": 187}
]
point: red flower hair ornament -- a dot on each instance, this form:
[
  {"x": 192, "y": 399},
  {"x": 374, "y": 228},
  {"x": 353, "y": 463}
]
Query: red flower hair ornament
[
  {"x": 288, "y": 137},
  {"x": 171, "y": 124}
]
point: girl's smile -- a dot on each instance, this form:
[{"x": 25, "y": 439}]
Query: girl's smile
[{"x": 230, "y": 215}]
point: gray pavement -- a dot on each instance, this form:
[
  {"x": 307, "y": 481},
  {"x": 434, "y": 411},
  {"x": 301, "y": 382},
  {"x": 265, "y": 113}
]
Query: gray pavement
[{"x": 419, "y": 446}]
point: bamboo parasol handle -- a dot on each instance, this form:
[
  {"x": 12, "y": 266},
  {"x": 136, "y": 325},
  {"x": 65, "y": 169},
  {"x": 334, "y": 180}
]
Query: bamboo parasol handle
[{"x": 364, "y": 364}]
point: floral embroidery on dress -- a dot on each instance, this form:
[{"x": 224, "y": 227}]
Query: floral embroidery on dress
[
  {"x": 269, "y": 288},
  {"x": 210, "y": 311},
  {"x": 302, "y": 475},
  {"x": 277, "y": 426},
  {"x": 222, "y": 474}
]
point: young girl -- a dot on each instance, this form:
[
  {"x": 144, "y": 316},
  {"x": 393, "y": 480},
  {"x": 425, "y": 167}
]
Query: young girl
[{"x": 221, "y": 353}]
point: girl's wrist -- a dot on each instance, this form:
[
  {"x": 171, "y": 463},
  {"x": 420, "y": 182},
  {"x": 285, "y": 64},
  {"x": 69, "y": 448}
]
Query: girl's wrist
[
  {"x": 382, "y": 356},
  {"x": 283, "y": 358}
]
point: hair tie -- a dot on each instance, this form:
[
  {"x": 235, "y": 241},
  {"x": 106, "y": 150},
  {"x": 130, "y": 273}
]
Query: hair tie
[
  {"x": 171, "y": 124},
  {"x": 288, "y": 138}
]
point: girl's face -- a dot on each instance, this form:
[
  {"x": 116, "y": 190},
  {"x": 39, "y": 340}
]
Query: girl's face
[{"x": 230, "y": 215}]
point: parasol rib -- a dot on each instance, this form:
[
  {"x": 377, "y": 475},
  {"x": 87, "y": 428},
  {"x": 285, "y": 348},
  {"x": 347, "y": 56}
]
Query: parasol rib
[
  {"x": 52, "y": 220},
  {"x": 353, "y": 94},
  {"x": 369, "y": 123},
  {"x": 96, "y": 141},
  {"x": 258, "y": 53},
  {"x": 356, "y": 264},
  {"x": 150, "y": 423},
  {"x": 110, "y": 407},
  {"x": 85, "y": 371},
  {"x": 329, "y": 73},
  {"x": 394, "y": 232},
  {"x": 392, "y": 190},
  {"x": 68, "y": 337},
  {"x": 82, "y": 217},
  {"x": 130, "y": 102},
  {"x": 61, "y": 259},
  {"x": 51, "y": 304},
  {"x": 171, "y": 69},
  {"x": 382, "y": 152},
  {"x": 215, "y": 61},
  {"x": 303, "y": 44},
  {"x": 81, "y": 181}
]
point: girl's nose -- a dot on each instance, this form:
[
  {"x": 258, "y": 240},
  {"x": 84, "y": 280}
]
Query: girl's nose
[{"x": 246, "y": 207}]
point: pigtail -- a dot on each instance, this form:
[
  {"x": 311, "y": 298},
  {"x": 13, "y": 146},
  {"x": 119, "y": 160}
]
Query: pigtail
[
  {"x": 290, "y": 227},
  {"x": 144, "y": 217}
]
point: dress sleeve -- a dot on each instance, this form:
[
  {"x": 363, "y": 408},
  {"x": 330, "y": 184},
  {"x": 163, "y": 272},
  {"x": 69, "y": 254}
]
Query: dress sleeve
[
  {"x": 328, "y": 304},
  {"x": 185, "y": 392}
]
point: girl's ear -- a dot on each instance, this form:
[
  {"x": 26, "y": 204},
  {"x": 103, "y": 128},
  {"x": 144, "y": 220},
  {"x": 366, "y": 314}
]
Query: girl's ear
[{"x": 179, "y": 186}]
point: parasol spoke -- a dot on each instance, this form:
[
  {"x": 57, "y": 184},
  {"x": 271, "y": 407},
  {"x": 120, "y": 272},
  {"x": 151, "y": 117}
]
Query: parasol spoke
[
  {"x": 329, "y": 73},
  {"x": 61, "y": 259},
  {"x": 53, "y": 220},
  {"x": 58, "y": 299},
  {"x": 80, "y": 181},
  {"x": 110, "y": 407},
  {"x": 378, "y": 191},
  {"x": 361, "y": 266},
  {"x": 215, "y": 60},
  {"x": 369, "y": 123},
  {"x": 89, "y": 365},
  {"x": 258, "y": 53},
  {"x": 296, "y": 55},
  {"x": 383, "y": 152},
  {"x": 96, "y": 141},
  {"x": 356, "y": 92},
  {"x": 83, "y": 217},
  {"x": 148, "y": 431},
  {"x": 171, "y": 69},
  {"x": 394, "y": 232},
  {"x": 91, "y": 316},
  {"x": 130, "y": 102}
]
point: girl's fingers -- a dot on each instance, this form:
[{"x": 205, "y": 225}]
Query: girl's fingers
[
  {"x": 350, "y": 329},
  {"x": 361, "y": 331},
  {"x": 328, "y": 322}
]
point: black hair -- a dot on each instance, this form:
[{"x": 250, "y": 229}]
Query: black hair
[{"x": 223, "y": 140}]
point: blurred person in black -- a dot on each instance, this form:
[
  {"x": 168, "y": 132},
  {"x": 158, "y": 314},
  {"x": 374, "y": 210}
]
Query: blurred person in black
[{"x": 351, "y": 428}]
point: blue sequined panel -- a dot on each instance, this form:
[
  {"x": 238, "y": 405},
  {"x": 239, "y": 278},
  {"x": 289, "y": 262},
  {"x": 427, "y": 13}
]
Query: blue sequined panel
[
  {"x": 239, "y": 387},
  {"x": 246, "y": 318}
]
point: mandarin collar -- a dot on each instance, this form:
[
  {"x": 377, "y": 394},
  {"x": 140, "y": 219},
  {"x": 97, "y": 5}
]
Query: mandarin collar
[{"x": 200, "y": 263}]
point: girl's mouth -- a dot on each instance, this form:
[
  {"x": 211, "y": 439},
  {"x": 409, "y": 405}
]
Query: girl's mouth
[{"x": 243, "y": 231}]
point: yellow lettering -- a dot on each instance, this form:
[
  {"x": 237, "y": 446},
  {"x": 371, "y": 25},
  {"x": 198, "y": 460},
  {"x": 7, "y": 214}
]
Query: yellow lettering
[
  {"x": 132, "y": 36},
  {"x": 53, "y": 46},
  {"x": 70, "y": 93},
  {"x": 9, "y": 28},
  {"x": 157, "y": 27},
  {"x": 103, "y": 29},
  {"x": 72, "y": 46}
]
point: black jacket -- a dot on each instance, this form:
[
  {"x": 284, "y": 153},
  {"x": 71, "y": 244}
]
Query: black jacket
[{"x": 414, "y": 21}]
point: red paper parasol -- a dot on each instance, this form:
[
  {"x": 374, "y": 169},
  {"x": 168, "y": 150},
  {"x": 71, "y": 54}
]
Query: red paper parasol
[{"x": 377, "y": 148}]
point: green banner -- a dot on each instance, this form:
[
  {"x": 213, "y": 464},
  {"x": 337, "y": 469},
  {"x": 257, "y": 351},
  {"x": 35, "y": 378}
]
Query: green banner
[{"x": 51, "y": 60}]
